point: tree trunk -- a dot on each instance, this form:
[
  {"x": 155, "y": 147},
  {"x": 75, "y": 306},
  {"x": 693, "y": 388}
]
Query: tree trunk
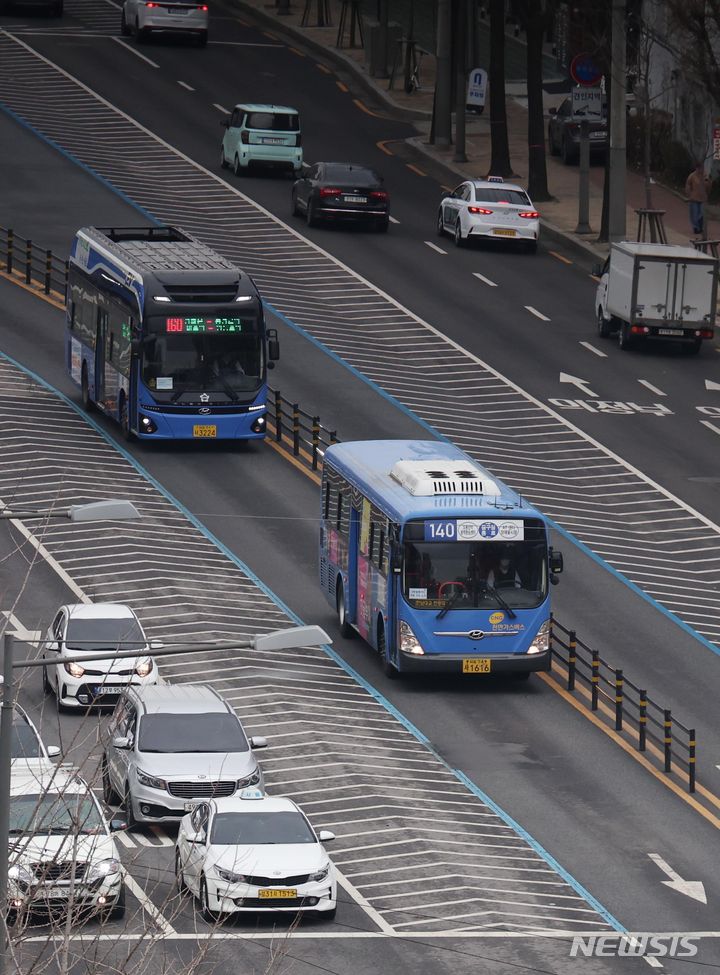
[
  {"x": 499, "y": 145},
  {"x": 537, "y": 165}
]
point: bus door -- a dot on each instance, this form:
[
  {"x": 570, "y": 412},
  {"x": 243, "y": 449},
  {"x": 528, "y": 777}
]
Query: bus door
[{"x": 100, "y": 340}]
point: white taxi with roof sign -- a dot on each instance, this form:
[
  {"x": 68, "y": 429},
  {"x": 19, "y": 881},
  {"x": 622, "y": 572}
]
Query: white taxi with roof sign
[
  {"x": 256, "y": 853},
  {"x": 489, "y": 208}
]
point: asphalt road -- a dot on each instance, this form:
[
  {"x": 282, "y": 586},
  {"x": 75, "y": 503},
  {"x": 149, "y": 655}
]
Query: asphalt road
[{"x": 492, "y": 747}]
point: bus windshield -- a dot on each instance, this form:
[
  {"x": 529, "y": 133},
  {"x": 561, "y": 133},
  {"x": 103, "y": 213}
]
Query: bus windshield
[
  {"x": 229, "y": 362},
  {"x": 474, "y": 573}
]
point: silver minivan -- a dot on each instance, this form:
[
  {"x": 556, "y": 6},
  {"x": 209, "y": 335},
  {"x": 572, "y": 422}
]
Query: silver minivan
[
  {"x": 262, "y": 135},
  {"x": 168, "y": 745}
]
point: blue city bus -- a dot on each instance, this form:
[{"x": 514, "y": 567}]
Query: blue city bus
[
  {"x": 439, "y": 566},
  {"x": 166, "y": 336}
]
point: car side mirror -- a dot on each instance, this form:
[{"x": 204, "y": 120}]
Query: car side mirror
[
  {"x": 556, "y": 561},
  {"x": 596, "y": 270},
  {"x": 157, "y": 645},
  {"x": 552, "y": 111},
  {"x": 196, "y": 837},
  {"x": 325, "y": 835},
  {"x": 258, "y": 741},
  {"x": 53, "y": 751},
  {"x": 117, "y": 825},
  {"x": 121, "y": 742}
]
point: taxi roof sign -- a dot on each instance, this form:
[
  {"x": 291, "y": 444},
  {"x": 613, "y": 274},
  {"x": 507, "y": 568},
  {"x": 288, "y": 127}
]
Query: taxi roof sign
[
  {"x": 252, "y": 793},
  {"x": 495, "y": 179}
]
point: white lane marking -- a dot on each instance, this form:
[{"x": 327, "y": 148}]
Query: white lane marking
[
  {"x": 653, "y": 389},
  {"x": 364, "y": 904},
  {"x": 137, "y": 54},
  {"x": 220, "y": 108},
  {"x": 393, "y": 220},
  {"x": 435, "y": 247},
  {"x": 711, "y": 426},
  {"x": 184, "y": 84},
  {"x": 148, "y": 906},
  {"x": 537, "y": 314},
  {"x": 487, "y": 281},
  {"x": 591, "y": 348}
]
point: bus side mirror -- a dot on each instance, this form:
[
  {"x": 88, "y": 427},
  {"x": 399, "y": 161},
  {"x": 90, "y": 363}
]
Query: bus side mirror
[
  {"x": 554, "y": 579},
  {"x": 555, "y": 561},
  {"x": 273, "y": 345}
]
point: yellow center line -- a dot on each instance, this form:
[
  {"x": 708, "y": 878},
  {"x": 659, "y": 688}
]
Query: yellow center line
[
  {"x": 321, "y": 67},
  {"x": 363, "y": 108},
  {"x": 560, "y": 257},
  {"x": 382, "y": 146},
  {"x": 341, "y": 86},
  {"x": 415, "y": 169}
]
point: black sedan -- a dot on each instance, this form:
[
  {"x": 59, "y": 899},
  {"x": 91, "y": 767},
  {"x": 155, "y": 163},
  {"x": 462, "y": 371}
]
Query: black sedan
[
  {"x": 341, "y": 191},
  {"x": 564, "y": 134}
]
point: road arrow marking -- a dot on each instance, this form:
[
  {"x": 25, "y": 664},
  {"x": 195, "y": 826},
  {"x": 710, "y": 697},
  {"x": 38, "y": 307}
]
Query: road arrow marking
[
  {"x": 580, "y": 383},
  {"x": 691, "y": 888},
  {"x": 709, "y": 384}
]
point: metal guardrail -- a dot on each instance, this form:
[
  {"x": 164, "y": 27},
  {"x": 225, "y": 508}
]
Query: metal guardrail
[
  {"x": 607, "y": 688},
  {"x": 31, "y": 264},
  {"x": 651, "y": 723}
]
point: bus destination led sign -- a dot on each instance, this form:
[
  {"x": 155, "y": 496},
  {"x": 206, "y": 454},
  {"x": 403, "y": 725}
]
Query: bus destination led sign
[
  {"x": 475, "y": 530},
  {"x": 202, "y": 325}
]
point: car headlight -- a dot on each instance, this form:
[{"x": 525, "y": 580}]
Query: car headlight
[
  {"x": 230, "y": 876},
  {"x": 21, "y": 874},
  {"x": 541, "y": 643},
  {"x": 321, "y": 874},
  {"x": 252, "y": 779},
  {"x": 150, "y": 780},
  {"x": 75, "y": 670},
  {"x": 105, "y": 868},
  {"x": 143, "y": 668},
  {"x": 409, "y": 643}
]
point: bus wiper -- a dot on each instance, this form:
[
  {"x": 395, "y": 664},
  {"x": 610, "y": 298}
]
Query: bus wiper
[
  {"x": 501, "y": 602},
  {"x": 229, "y": 390},
  {"x": 449, "y": 603}
]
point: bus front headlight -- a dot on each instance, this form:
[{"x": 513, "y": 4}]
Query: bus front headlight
[
  {"x": 541, "y": 643},
  {"x": 409, "y": 643}
]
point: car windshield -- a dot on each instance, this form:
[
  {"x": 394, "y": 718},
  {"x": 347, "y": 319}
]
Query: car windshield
[
  {"x": 215, "y": 732},
  {"x": 345, "y": 173},
  {"x": 473, "y": 571},
  {"x": 52, "y": 814},
  {"x": 515, "y": 197},
  {"x": 119, "y": 634},
  {"x": 260, "y": 828},
  {"x": 273, "y": 121},
  {"x": 177, "y": 357},
  {"x": 25, "y": 743}
]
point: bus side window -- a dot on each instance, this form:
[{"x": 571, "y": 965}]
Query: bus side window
[
  {"x": 338, "y": 519},
  {"x": 381, "y": 551},
  {"x": 72, "y": 316},
  {"x": 326, "y": 503},
  {"x": 371, "y": 542}
]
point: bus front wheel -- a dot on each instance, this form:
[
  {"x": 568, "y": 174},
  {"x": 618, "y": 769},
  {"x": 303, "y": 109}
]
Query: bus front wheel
[
  {"x": 125, "y": 419},
  {"x": 346, "y": 630},
  {"x": 389, "y": 669},
  {"x": 87, "y": 403}
]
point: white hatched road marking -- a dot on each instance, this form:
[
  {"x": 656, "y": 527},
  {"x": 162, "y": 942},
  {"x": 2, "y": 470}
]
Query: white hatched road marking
[{"x": 443, "y": 840}]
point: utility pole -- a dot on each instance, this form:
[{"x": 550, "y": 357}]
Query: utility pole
[
  {"x": 443, "y": 84},
  {"x": 617, "y": 157}
]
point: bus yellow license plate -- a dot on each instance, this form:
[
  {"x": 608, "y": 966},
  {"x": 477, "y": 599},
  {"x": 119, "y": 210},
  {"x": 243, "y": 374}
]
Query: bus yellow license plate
[
  {"x": 503, "y": 233},
  {"x": 204, "y": 430},
  {"x": 479, "y": 665},
  {"x": 285, "y": 893}
]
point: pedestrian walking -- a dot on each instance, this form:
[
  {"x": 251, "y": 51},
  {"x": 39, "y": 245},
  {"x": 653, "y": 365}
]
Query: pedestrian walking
[{"x": 696, "y": 190}]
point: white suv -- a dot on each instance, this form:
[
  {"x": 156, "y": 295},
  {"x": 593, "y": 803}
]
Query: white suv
[
  {"x": 145, "y": 17},
  {"x": 62, "y": 854}
]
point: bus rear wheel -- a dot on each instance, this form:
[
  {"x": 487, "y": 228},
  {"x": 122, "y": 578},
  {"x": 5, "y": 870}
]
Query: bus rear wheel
[
  {"x": 346, "y": 630},
  {"x": 87, "y": 403}
]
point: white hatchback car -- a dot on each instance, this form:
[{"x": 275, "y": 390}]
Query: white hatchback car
[
  {"x": 254, "y": 853},
  {"x": 489, "y": 208},
  {"x": 145, "y": 17},
  {"x": 90, "y": 628}
]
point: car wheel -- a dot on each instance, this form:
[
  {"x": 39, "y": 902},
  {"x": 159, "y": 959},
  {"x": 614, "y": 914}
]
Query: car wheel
[
  {"x": 551, "y": 144},
  {"x": 440, "y": 224},
  {"x": 693, "y": 347},
  {"x": 110, "y": 796},
  {"x": 202, "y": 38},
  {"x": 179, "y": 875},
  {"x": 237, "y": 168},
  {"x": 531, "y": 246},
  {"x": 87, "y": 403},
  {"x": 47, "y": 686},
  {"x": 327, "y": 915},
  {"x": 346, "y": 629},
  {"x": 128, "y": 808},
  {"x": 624, "y": 340},
  {"x": 521, "y": 675},
  {"x": 224, "y": 164},
  {"x": 295, "y": 208},
  {"x": 382, "y": 225},
  {"x": 604, "y": 328},
  {"x": 61, "y": 709},
  {"x": 311, "y": 217},
  {"x": 389, "y": 669},
  {"x": 210, "y": 916},
  {"x": 124, "y": 29},
  {"x": 141, "y": 33},
  {"x": 457, "y": 235}
]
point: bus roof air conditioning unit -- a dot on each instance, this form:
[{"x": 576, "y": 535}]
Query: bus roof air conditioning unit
[{"x": 427, "y": 479}]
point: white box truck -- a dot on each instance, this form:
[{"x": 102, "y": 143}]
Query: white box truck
[{"x": 657, "y": 292}]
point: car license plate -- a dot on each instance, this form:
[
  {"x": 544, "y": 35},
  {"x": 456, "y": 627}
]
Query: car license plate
[
  {"x": 190, "y": 804},
  {"x": 284, "y": 894},
  {"x": 600, "y": 134},
  {"x": 477, "y": 665},
  {"x": 273, "y": 142},
  {"x": 56, "y": 893},
  {"x": 670, "y": 331},
  {"x": 204, "y": 430},
  {"x": 108, "y": 689},
  {"x": 355, "y": 199},
  {"x": 503, "y": 233}
]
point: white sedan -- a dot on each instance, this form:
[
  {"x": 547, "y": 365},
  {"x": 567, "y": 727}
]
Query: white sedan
[
  {"x": 489, "y": 208},
  {"x": 254, "y": 853},
  {"x": 88, "y": 628}
]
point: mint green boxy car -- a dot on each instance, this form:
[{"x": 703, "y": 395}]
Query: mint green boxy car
[{"x": 262, "y": 135}]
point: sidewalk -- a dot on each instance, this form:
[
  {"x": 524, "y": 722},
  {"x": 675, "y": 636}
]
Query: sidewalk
[{"x": 559, "y": 215}]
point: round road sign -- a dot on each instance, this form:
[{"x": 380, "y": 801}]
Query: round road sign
[{"x": 584, "y": 70}]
